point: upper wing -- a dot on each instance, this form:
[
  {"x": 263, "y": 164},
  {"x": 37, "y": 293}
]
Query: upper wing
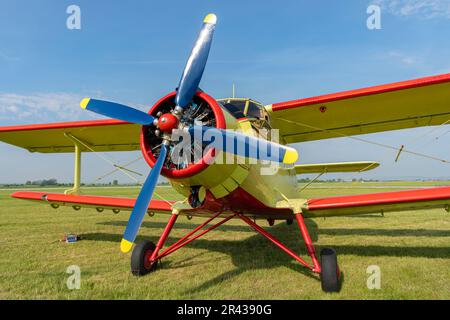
[
  {"x": 98, "y": 135},
  {"x": 401, "y": 105},
  {"x": 379, "y": 202}
]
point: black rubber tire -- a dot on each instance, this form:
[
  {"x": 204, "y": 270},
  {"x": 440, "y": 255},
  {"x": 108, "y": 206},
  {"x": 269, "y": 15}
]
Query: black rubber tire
[
  {"x": 138, "y": 265},
  {"x": 330, "y": 274},
  {"x": 289, "y": 221}
]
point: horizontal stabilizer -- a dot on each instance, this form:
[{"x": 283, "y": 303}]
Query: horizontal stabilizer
[{"x": 336, "y": 167}]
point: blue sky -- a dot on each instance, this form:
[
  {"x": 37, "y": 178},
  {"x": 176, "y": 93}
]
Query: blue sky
[{"x": 134, "y": 52}]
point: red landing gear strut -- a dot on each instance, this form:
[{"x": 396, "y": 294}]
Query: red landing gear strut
[
  {"x": 146, "y": 254},
  {"x": 315, "y": 267}
]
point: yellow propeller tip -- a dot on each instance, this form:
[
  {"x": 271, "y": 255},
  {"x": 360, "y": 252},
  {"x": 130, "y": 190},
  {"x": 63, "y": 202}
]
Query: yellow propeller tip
[
  {"x": 291, "y": 156},
  {"x": 84, "y": 103},
  {"x": 125, "y": 245},
  {"x": 210, "y": 18}
]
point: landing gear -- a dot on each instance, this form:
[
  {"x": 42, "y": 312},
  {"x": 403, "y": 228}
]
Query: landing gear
[
  {"x": 146, "y": 254},
  {"x": 330, "y": 274},
  {"x": 140, "y": 258},
  {"x": 328, "y": 269}
]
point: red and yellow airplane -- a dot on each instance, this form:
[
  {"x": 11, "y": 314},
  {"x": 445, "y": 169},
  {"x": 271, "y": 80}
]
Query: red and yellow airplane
[{"x": 239, "y": 190}]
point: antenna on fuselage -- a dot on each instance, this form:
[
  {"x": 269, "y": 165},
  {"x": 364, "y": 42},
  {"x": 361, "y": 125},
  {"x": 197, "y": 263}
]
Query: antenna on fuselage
[{"x": 234, "y": 91}]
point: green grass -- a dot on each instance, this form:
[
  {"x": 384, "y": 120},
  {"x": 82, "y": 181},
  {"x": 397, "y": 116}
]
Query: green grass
[{"x": 232, "y": 262}]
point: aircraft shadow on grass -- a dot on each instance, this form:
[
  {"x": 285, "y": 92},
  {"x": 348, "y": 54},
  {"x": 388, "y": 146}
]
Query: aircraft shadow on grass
[
  {"x": 386, "y": 232},
  {"x": 256, "y": 252},
  {"x": 178, "y": 225}
]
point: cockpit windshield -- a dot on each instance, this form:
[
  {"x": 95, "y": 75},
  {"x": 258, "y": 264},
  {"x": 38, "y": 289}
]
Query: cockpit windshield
[
  {"x": 236, "y": 108},
  {"x": 241, "y": 108}
]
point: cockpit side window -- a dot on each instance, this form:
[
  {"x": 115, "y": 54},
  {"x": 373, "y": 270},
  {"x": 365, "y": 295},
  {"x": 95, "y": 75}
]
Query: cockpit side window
[{"x": 253, "y": 111}]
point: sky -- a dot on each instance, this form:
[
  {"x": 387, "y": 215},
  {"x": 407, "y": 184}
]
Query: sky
[{"x": 134, "y": 52}]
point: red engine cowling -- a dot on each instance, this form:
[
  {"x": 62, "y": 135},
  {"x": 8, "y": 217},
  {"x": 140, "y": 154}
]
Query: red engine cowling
[{"x": 206, "y": 110}]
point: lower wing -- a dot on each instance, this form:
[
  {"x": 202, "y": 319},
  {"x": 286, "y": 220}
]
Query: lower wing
[
  {"x": 320, "y": 207},
  {"x": 116, "y": 204},
  {"x": 379, "y": 202},
  {"x": 98, "y": 202}
]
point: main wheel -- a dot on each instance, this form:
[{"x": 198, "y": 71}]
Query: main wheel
[
  {"x": 330, "y": 274},
  {"x": 140, "y": 258}
]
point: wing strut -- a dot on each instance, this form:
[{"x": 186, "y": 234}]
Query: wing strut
[{"x": 76, "y": 189}]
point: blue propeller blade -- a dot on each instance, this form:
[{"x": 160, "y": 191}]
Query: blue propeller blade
[
  {"x": 196, "y": 63},
  {"x": 117, "y": 111},
  {"x": 142, "y": 202},
  {"x": 244, "y": 145}
]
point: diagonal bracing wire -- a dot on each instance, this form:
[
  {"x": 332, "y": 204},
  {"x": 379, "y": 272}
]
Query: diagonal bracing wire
[
  {"x": 367, "y": 141},
  {"x": 118, "y": 168},
  {"x": 415, "y": 140},
  {"x": 103, "y": 157}
]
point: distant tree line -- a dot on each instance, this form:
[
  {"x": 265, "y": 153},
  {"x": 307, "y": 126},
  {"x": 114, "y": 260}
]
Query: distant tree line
[
  {"x": 54, "y": 182},
  {"x": 306, "y": 180},
  {"x": 42, "y": 183}
]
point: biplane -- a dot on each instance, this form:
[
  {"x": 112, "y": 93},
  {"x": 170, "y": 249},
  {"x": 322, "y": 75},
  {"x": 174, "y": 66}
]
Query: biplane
[{"x": 221, "y": 191}]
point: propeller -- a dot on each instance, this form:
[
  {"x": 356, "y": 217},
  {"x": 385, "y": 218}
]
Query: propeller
[
  {"x": 253, "y": 147},
  {"x": 142, "y": 202},
  {"x": 167, "y": 122},
  {"x": 196, "y": 63},
  {"x": 187, "y": 88},
  {"x": 117, "y": 111}
]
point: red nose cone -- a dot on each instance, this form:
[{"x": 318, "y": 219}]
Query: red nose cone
[{"x": 167, "y": 122}]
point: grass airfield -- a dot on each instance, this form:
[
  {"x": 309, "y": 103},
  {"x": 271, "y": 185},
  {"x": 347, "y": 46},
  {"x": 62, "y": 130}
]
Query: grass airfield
[{"x": 412, "y": 250}]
